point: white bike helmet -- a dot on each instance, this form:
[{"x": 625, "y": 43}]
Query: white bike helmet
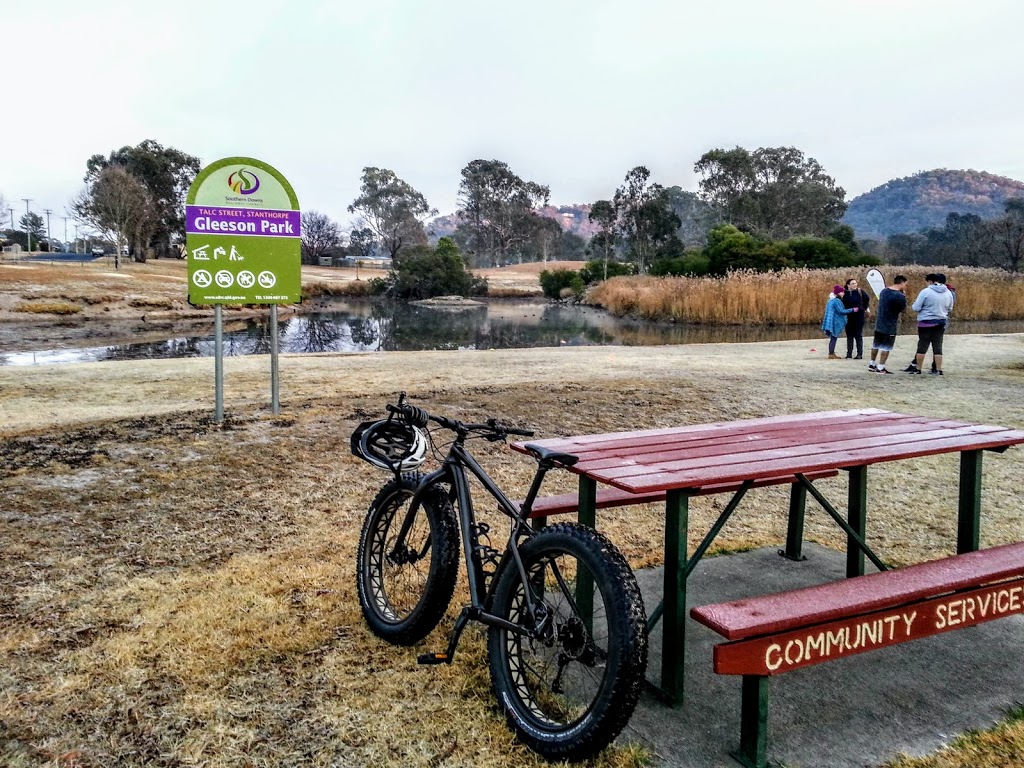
[{"x": 390, "y": 444}]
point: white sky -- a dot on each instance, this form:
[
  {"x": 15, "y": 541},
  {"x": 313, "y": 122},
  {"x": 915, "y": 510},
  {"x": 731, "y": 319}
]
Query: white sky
[{"x": 569, "y": 94}]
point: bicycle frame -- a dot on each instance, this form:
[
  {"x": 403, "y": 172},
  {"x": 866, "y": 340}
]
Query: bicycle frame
[{"x": 455, "y": 470}]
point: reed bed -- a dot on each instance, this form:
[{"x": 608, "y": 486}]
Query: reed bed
[{"x": 793, "y": 297}]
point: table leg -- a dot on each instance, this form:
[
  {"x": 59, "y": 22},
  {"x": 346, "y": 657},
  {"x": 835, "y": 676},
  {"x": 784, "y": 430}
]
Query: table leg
[
  {"x": 586, "y": 515},
  {"x": 795, "y": 531},
  {"x": 858, "y": 504},
  {"x": 673, "y": 647},
  {"x": 969, "y": 520}
]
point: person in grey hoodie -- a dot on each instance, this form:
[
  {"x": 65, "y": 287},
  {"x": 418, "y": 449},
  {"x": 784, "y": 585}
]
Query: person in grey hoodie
[{"x": 932, "y": 306}]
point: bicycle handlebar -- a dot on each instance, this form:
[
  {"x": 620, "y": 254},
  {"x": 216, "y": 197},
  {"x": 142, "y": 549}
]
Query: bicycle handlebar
[{"x": 417, "y": 417}]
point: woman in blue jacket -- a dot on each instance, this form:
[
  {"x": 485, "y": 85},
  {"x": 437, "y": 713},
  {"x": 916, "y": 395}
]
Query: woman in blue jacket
[{"x": 835, "y": 319}]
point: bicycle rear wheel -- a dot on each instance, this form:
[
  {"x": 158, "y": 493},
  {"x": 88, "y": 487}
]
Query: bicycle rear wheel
[
  {"x": 405, "y": 586},
  {"x": 569, "y": 683}
]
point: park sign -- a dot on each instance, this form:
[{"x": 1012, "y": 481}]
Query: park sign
[{"x": 242, "y": 230}]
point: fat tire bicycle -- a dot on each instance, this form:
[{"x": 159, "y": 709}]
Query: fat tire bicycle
[{"x": 566, "y": 625}]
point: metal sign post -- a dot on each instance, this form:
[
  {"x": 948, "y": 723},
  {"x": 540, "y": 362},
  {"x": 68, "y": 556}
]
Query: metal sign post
[{"x": 242, "y": 225}]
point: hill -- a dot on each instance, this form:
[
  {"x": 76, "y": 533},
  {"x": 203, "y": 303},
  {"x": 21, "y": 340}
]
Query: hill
[{"x": 923, "y": 200}]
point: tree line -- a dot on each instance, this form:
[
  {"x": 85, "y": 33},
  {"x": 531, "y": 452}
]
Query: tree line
[
  {"x": 765, "y": 209},
  {"x": 965, "y": 240}
]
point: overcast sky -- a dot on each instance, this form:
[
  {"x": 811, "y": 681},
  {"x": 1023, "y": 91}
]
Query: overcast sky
[{"x": 569, "y": 94}]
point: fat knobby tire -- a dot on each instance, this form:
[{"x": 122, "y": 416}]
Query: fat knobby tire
[
  {"x": 624, "y": 664},
  {"x": 410, "y": 622}
]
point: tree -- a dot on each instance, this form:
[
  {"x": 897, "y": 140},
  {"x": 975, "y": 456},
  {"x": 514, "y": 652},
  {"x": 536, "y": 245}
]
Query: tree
[
  {"x": 774, "y": 192},
  {"x": 319, "y": 235},
  {"x": 696, "y": 217},
  {"x": 167, "y": 173},
  {"x": 645, "y": 220},
  {"x": 120, "y": 207},
  {"x": 1008, "y": 235},
  {"x": 33, "y": 224},
  {"x": 392, "y": 210},
  {"x": 603, "y": 214},
  {"x": 497, "y": 210},
  {"x": 544, "y": 243},
  {"x": 362, "y": 244}
]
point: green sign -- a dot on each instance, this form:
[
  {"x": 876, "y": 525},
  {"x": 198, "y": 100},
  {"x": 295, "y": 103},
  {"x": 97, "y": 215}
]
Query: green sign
[{"x": 242, "y": 230}]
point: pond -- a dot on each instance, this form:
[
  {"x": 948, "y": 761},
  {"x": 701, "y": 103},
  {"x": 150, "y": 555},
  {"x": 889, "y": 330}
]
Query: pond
[{"x": 365, "y": 326}]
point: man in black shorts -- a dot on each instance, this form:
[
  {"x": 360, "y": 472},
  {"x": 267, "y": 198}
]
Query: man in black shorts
[
  {"x": 932, "y": 306},
  {"x": 891, "y": 303}
]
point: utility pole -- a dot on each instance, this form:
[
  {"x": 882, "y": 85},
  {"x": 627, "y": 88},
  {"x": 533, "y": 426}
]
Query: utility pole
[
  {"x": 49, "y": 238},
  {"x": 28, "y": 232},
  {"x": 11, "y": 211},
  {"x": 65, "y": 232}
]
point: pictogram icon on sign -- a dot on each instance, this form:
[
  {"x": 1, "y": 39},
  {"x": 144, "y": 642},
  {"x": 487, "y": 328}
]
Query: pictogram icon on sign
[
  {"x": 202, "y": 278},
  {"x": 267, "y": 279},
  {"x": 246, "y": 279},
  {"x": 225, "y": 279}
]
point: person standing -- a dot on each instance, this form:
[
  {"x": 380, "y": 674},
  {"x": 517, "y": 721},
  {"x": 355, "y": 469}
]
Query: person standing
[
  {"x": 835, "y": 319},
  {"x": 855, "y": 297},
  {"x": 891, "y": 303},
  {"x": 932, "y": 306}
]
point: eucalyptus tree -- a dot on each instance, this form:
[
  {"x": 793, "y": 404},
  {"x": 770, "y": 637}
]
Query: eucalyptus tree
[
  {"x": 393, "y": 210},
  {"x": 774, "y": 192},
  {"x": 497, "y": 210},
  {"x": 602, "y": 213},
  {"x": 644, "y": 217}
]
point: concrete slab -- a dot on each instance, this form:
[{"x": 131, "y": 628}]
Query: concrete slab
[{"x": 861, "y": 711}]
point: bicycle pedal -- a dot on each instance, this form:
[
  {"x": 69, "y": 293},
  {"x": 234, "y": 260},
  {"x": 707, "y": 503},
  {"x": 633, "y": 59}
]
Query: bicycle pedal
[{"x": 434, "y": 658}]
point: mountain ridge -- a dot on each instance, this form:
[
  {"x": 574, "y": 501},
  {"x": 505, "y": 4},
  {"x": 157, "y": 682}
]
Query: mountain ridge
[{"x": 923, "y": 200}]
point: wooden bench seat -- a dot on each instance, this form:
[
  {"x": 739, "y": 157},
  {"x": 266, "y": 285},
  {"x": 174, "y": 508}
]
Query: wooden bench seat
[
  {"x": 615, "y": 497},
  {"x": 777, "y": 633}
]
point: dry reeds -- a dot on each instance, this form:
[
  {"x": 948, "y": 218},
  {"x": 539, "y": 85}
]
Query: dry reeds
[{"x": 793, "y": 297}]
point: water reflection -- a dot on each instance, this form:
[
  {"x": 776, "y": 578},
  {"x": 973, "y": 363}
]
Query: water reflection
[{"x": 361, "y": 326}]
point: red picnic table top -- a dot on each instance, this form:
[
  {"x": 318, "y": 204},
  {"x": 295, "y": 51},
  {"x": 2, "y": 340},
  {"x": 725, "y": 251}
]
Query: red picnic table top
[{"x": 733, "y": 451}]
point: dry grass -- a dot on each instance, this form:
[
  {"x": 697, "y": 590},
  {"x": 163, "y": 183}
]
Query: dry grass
[
  {"x": 181, "y": 594},
  {"x": 793, "y": 297},
  {"x": 48, "y": 308}
]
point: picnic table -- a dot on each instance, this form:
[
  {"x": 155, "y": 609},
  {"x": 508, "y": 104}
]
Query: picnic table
[{"x": 735, "y": 456}]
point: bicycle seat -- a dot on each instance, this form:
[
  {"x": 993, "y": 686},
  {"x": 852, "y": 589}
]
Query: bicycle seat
[{"x": 551, "y": 457}]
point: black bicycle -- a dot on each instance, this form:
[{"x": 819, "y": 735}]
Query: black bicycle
[{"x": 567, "y": 644}]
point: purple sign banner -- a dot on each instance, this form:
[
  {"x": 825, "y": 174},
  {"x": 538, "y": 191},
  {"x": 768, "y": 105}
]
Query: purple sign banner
[{"x": 249, "y": 222}]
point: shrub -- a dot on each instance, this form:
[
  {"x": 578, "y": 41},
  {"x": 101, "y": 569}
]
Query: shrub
[
  {"x": 594, "y": 271},
  {"x": 554, "y": 281},
  {"x": 424, "y": 273},
  {"x": 692, "y": 264}
]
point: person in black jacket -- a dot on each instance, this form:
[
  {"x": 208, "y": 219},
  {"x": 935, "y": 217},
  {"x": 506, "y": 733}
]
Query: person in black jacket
[{"x": 855, "y": 297}]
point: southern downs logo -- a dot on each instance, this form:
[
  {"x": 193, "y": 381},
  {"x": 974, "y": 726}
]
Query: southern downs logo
[{"x": 244, "y": 182}]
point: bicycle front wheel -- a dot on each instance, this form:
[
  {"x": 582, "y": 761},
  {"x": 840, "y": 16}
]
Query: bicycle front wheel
[
  {"x": 570, "y": 680},
  {"x": 405, "y": 582}
]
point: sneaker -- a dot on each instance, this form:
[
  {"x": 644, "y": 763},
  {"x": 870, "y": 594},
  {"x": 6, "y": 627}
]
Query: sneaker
[
  {"x": 834, "y": 357},
  {"x": 914, "y": 372},
  {"x": 911, "y": 369},
  {"x": 872, "y": 367},
  {"x": 936, "y": 373},
  {"x": 883, "y": 370}
]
